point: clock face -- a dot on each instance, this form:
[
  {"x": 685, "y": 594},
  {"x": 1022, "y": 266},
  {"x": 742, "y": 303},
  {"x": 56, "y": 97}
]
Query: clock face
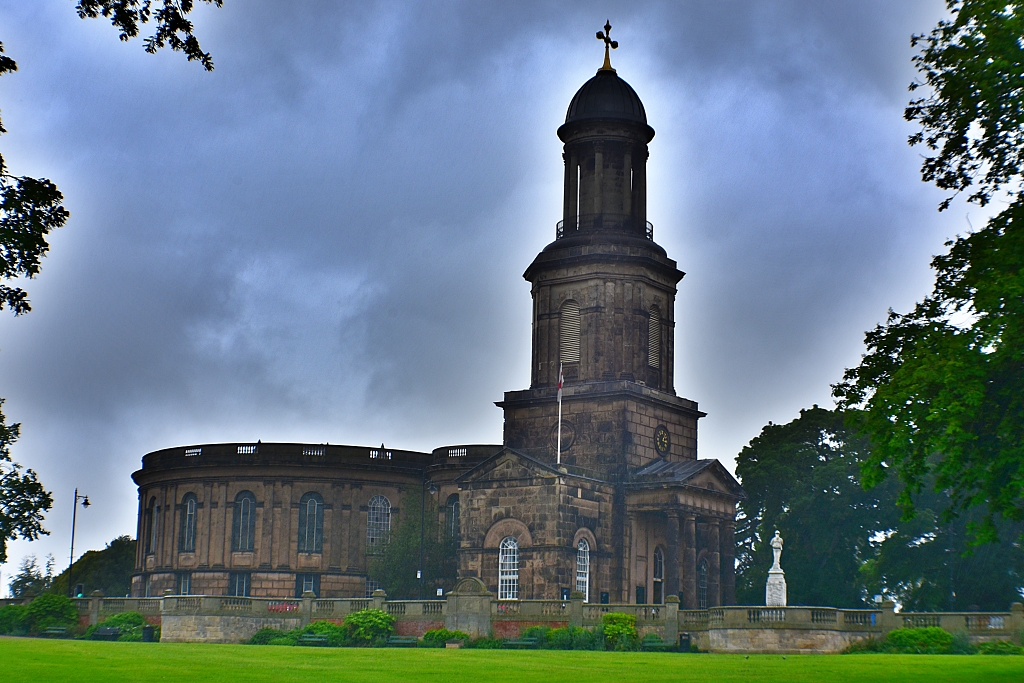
[{"x": 662, "y": 441}]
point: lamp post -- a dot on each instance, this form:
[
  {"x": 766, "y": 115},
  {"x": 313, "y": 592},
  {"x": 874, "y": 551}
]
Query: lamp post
[
  {"x": 423, "y": 507},
  {"x": 74, "y": 519}
]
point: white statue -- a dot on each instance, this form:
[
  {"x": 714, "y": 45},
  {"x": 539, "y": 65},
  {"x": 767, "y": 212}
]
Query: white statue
[
  {"x": 775, "y": 590},
  {"x": 776, "y": 544}
]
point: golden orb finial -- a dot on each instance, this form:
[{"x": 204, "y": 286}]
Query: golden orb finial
[{"x": 608, "y": 43}]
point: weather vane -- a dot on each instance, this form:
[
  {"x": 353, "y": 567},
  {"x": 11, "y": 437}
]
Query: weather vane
[{"x": 608, "y": 43}]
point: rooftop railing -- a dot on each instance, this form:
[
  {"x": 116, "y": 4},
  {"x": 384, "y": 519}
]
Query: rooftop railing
[{"x": 597, "y": 222}]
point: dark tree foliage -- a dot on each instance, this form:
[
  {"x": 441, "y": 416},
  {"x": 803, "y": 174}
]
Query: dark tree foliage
[
  {"x": 941, "y": 388},
  {"x": 108, "y": 571},
  {"x": 29, "y": 209},
  {"x": 802, "y": 479},
  {"x": 31, "y": 579},
  {"x": 173, "y": 29},
  {"x": 927, "y": 564},
  {"x": 395, "y": 566},
  {"x": 845, "y": 545},
  {"x": 23, "y": 500}
]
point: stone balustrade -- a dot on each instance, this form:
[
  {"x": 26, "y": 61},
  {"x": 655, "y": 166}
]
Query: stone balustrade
[{"x": 470, "y": 608}]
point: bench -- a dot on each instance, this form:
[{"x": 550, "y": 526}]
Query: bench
[
  {"x": 55, "y": 632},
  {"x": 521, "y": 643},
  {"x": 313, "y": 639},
  {"x": 106, "y": 633},
  {"x": 652, "y": 643},
  {"x": 403, "y": 641}
]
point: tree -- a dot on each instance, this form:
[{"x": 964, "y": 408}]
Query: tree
[
  {"x": 23, "y": 500},
  {"x": 395, "y": 566},
  {"x": 108, "y": 571},
  {"x": 802, "y": 479},
  {"x": 941, "y": 388},
  {"x": 30, "y": 581}
]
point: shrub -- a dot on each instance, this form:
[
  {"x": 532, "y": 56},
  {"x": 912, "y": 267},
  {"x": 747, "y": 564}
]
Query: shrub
[
  {"x": 1000, "y": 647},
  {"x": 925, "y": 641},
  {"x": 538, "y": 632},
  {"x": 619, "y": 630},
  {"x": 264, "y": 636},
  {"x": 574, "y": 638},
  {"x": 130, "y": 624},
  {"x": 437, "y": 637},
  {"x": 961, "y": 645},
  {"x": 14, "y": 620},
  {"x": 51, "y": 610},
  {"x": 336, "y": 635},
  {"x": 486, "y": 644},
  {"x": 369, "y": 626}
]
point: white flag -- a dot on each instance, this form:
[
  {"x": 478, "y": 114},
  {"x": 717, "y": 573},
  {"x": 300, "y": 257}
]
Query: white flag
[{"x": 559, "y": 383}]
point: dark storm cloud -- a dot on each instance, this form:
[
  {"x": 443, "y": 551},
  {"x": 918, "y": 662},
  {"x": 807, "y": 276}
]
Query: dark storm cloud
[{"x": 323, "y": 240}]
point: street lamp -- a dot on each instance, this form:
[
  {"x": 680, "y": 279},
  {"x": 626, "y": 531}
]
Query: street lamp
[
  {"x": 423, "y": 508},
  {"x": 74, "y": 519}
]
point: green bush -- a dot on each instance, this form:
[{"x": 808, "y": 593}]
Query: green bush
[
  {"x": 49, "y": 610},
  {"x": 264, "y": 636},
  {"x": 336, "y": 635},
  {"x": 369, "y": 626},
  {"x": 486, "y": 644},
  {"x": 1000, "y": 647},
  {"x": 574, "y": 638},
  {"x": 919, "y": 641},
  {"x": 13, "y": 620},
  {"x": 961, "y": 645},
  {"x": 282, "y": 640},
  {"x": 538, "y": 632},
  {"x": 437, "y": 637},
  {"x": 619, "y": 631},
  {"x": 866, "y": 645},
  {"x": 130, "y": 624}
]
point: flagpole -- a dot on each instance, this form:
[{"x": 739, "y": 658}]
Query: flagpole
[{"x": 558, "y": 455}]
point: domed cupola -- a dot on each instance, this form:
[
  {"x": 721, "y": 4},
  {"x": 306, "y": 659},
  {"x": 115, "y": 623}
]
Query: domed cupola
[{"x": 606, "y": 96}]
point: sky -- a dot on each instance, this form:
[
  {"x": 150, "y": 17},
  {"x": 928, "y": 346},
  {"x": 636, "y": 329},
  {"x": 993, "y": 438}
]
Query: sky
[{"x": 323, "y": 240}]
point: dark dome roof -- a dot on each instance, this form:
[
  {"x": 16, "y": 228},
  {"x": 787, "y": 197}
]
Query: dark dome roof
[{"x": 606, "y": 96}]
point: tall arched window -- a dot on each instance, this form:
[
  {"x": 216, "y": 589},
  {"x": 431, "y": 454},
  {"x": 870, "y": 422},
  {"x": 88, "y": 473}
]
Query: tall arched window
[
  {"x": 583, "y": 569},
  {"x": 451, "y": 511},
  {"x": 243, "y": 529},
  {"x": 187, "y": 536},
  {"x": 654, "y": 338},
  {"x": 508, "y": 569},
  {"x": 150, "y": 527},
  {"x": 378, "y": 522},
  {"x": 659, "y": 576},
  {"x": 702, "y": 584},
  {"x": 311, "y": 523},
  {"x": 569, "y": 333}
]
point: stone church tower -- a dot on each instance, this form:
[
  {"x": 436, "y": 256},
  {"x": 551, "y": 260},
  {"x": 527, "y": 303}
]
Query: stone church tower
[{"x": 626, "y": 512}]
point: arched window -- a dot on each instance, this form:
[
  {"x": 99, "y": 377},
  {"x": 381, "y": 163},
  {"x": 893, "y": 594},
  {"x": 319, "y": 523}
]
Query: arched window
[
  {"x": 311, "y": 523},
  {"x": 451, "y": 511},
  {"x": 378, "y": 522},
  {"x": 569, "y": 333},
  {"x": 508, "y": 569},
  {"x": 150, "y": 527},
  {"x": 187, "y": 537},
  {"x": 243, "y": 530},
  {"x": 702, "y": 584},
  {"x": 659, "y": 576},
  {"x": 654, "y": 338},
  {"x": 583, "y": 569}
]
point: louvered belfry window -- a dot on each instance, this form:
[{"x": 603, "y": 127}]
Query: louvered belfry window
[
  {"x": 569, "y": 333},
  {"x": 654, "y": 338}
]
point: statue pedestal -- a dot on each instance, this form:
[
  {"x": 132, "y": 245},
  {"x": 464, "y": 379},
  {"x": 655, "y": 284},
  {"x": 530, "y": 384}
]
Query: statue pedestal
[{"x": 775, "y": 590}]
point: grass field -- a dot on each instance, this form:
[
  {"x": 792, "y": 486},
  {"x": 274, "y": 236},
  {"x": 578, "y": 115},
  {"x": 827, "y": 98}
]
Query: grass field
[{"x": 69, "y": 661}]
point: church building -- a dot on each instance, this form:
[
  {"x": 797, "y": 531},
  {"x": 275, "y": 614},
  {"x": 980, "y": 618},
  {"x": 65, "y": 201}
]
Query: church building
[{"x": 596, "y": 486}]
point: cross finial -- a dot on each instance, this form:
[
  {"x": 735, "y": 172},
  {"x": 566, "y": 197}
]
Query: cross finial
[{"x": 608, "y": 43}]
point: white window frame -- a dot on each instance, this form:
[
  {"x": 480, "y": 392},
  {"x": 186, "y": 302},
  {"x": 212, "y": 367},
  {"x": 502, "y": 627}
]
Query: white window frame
[
  {"x": 378, "y": 522},
  {"x": 583, "y": 568},
  {"x": 508, "y": 569}
]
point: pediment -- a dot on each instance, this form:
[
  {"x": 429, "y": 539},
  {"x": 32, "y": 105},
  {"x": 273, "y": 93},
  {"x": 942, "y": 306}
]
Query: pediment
[
  {"x": 508, "y": 464},
  {"x": 710, "y": 475}
]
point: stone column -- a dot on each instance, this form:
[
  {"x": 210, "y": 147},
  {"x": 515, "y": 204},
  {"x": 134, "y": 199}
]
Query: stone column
[
  {"x": 672, "y": 555},
  {"x": 629, "y": 578},
  {"x": 689, "y": 562},
  {"x": 714, "y": 564},
  {"x": 727, "y": 545}
]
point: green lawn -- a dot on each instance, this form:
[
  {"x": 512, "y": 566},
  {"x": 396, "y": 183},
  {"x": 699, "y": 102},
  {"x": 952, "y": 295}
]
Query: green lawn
[{"x": 69, "y": 661}]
